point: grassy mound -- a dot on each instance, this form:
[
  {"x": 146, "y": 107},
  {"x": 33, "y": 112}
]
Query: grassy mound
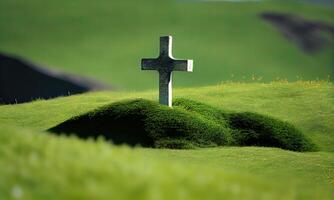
[
  {"x": 252, "y": 129},
  {"x": 189, "y": 124},
  {"x": 149, "y": 124}
]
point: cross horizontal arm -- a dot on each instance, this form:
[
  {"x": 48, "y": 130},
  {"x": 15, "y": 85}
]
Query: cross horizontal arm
[
  {"x": 183, "y": 65},
  {"x": 149, "y": 64}
]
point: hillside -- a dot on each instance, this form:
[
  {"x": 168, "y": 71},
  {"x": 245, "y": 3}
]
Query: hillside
[
  {"x": 106, "y": 39},
  {"x": 29, "y": 157},
  {"x": 308, "y": 105}
]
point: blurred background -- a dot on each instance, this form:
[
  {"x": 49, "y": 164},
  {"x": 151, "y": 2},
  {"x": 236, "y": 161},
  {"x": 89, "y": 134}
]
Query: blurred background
[{"x": 228, "y": 40}]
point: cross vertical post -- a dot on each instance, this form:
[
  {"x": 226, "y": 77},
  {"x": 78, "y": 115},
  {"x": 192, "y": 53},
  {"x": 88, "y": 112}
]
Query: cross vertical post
[
  {"x": 165, "y": 64},
  {"x": 165, "y": 88}
]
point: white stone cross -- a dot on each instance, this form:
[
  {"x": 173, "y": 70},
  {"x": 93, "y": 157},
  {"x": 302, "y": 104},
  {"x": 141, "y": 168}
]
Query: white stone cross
[{"x": 165, "y": 64}]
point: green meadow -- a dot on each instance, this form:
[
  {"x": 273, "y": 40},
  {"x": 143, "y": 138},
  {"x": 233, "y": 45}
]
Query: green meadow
[
  {"x": 36, "y": 164},
  {"x": 241, "y": 64},
  {"x": 107, "y": 39}
]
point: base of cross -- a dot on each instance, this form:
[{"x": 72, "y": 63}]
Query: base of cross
[{"x": 165, "y": 88}]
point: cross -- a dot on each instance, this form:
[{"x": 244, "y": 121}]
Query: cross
[{"x": 165, "y": 64}]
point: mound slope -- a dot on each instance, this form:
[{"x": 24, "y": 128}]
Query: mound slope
[{"x": 189, "y": 124}]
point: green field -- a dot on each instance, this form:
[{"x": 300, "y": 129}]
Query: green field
[
  {"x": 107, "y": 39},
  {"x": 37, "y": 165},
  {"x": 236, "y": 57}
]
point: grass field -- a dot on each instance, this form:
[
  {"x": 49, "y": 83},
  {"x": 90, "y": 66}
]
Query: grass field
[
  {"x": 107, "y": 39},
  {"x": 236, "y": 56},
  {"x": 37, "y": 165}
]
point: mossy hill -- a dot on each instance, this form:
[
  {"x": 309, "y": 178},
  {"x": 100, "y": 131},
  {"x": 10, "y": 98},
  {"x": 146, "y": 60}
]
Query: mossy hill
[{"x": 189, "y": 124}]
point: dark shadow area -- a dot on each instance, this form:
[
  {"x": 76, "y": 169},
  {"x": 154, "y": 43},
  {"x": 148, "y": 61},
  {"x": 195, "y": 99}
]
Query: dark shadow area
[
  {"x": 22, "y": 81},
  {"x": 310, "y": 36},
  {"x": 189, "y": 124}
]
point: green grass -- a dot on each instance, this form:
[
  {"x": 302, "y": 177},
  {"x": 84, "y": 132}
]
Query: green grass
[
  {"x": 107, "y": 39},
  {"x": 38, "y": 165},
  {"x": 189, "y": 124}
]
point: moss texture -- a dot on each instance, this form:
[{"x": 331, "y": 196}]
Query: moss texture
[{"x": 189, "y": 124}]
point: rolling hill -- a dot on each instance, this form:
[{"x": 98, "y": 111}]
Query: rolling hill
[
  {"x": 106, "y": 39},
  {"x": 35, "y": 164}
]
